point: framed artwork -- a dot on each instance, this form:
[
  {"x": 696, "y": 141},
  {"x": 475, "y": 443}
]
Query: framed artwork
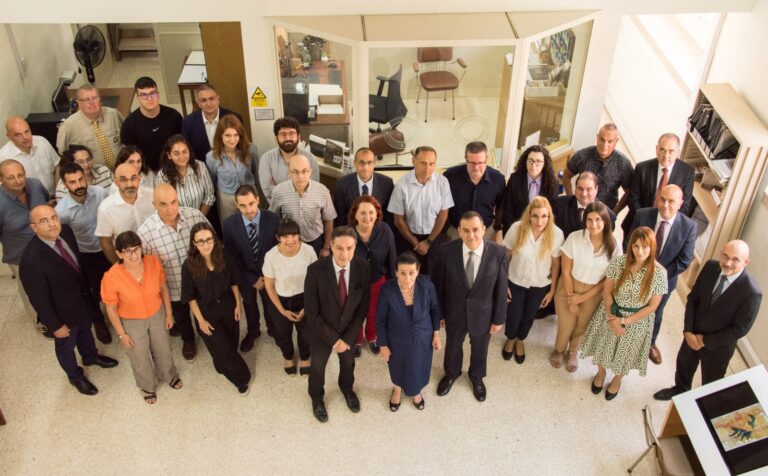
[{"x": 561, "y": 46}]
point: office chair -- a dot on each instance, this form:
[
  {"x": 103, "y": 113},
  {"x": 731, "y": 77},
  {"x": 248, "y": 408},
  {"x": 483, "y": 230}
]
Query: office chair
[
  {"x": 390, "y": 108},
  {"x": 670, "y": 453},
  {"x": 437, "y": 78}
]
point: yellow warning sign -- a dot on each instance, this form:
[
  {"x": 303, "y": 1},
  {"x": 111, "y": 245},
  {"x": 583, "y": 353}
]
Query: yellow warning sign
[{"x": 258, "y": 99}]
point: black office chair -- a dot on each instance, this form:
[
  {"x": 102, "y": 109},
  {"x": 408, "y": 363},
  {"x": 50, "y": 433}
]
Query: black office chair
[{"x": 388, "y": 109}]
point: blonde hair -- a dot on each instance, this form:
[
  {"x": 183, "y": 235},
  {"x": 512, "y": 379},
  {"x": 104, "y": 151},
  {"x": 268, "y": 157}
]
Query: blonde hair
[{"x": 547, "y": 236}]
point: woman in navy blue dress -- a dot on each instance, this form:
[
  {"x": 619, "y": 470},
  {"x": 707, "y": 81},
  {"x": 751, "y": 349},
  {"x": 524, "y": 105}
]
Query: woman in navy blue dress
[{"x": 408, "y": 328}]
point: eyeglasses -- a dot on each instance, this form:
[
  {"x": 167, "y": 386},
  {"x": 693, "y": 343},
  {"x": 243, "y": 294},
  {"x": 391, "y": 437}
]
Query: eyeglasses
[
  {"x": 90, "y": 99},
  {"x": 146, "y": 96},
  {"x": 134, "y": 250},
  {"x": 207, "y": 241},
  {"x": 47, "y": 221},
  {"x": 535, "y": 162},
  {"x": 301, "y": 172},
  {"x": 283, "y": 135}
]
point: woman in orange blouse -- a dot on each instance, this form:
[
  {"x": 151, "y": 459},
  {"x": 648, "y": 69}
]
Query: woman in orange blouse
[{"x": 139, "y": 307}]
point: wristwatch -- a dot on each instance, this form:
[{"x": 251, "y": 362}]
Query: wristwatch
[{"x": 622, "y": 323}]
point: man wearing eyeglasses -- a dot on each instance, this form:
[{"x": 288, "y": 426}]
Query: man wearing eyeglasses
[
  {"x": 149, "y": 126},
  {"x": 199, "y": 127},
  {"x": 94, "y": 126},
  {"x": 273, "y": 165},
  {"x": 475, "y": 187},
  {"x": 35, "y": 153}
]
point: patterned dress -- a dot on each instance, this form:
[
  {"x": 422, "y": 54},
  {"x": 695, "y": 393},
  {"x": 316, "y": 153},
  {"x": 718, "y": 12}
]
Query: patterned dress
[{"x": 630, "y": 351}]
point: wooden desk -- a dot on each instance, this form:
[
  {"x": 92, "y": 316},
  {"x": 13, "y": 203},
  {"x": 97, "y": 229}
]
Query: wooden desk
[{"x": 119, "y": 98}]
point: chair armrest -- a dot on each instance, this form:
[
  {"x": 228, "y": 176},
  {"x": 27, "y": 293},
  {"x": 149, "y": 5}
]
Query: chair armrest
[
  {"x": 462, "y": 63},
  {"x": 382, "y": 78},
  {"x": 415, "y": 67}
]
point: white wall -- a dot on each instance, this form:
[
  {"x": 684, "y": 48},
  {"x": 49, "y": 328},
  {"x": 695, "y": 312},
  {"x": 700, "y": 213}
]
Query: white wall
[{"x": 739, "y": 60}]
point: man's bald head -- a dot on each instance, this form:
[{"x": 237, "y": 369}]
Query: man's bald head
[
  {"x": 164, "y": 192},
  {"x": 670, "y": 200},
  {"x": 300, "y": 170},
  {"x": 734, "y": 257},
  {"x": 166, "y": 202},
  {"x": 127, "y": 180},
  {"x": 13, "y": 177},
  {"x": 18, "y": 132},
  {"x": 45, "y": 222}
]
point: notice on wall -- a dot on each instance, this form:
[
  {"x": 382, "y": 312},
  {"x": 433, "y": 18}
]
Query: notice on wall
[
  {"x": 258, "y": 98},
  {"x": 264, "y": 114}
]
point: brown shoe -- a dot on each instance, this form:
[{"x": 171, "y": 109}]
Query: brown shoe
[{"x": 655, "y": 355}]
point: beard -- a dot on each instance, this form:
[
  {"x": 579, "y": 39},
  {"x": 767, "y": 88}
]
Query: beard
[
  {"x": 80, "y": 192},
  {"x": 288, "y": 146}
]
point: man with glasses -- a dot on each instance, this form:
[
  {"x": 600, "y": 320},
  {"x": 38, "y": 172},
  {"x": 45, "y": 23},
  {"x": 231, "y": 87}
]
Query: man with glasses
[
  {"x": 52, "y": 274},
  {"x": 18, "y": 195},
  {"x": 149, "y": 126},
  {"x": 78, "y": 211},
  {"x": 273, "y": 165},
  {"x": 122, "y": 211},
  {"x": 94, "y": 126},
  {"x": 308, "y": 203},
  {"x": 165, "y": 234},
  {"x": 95, "y": 174},
  {"x": 35, "y": 153},
  {"x": 363, "y": 182},
  {"x": 199, "y": 127},
  {"x": 475, "y": 187}
]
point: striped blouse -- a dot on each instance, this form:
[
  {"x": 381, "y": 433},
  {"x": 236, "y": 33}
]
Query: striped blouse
[
  {"x": 194, "y": 189},
  {"x": 102, "y": 177}
]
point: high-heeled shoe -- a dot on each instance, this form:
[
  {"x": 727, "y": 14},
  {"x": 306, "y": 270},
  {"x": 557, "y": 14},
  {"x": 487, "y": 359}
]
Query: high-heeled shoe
[
  {"x": 595, "y": 388},
  {"x": 419, "y": 405},
  {"x": 519, "y": 358},
  {"x": 393, "y": 407},
  {"x": 505, "y": 354},
  {"x": 610, "y": 396}
]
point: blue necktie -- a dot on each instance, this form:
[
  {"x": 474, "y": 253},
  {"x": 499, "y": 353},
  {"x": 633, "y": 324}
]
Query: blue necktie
[
  {"x": 253, "y": 238},
  {"x": 365, "y": 189}
]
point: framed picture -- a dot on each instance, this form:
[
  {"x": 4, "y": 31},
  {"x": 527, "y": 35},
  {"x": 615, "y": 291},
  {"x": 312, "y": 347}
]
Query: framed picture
[{"x": 561, "y": 46}]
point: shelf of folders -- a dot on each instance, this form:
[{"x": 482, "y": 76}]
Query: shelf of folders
[{"x": 717, "y": 144}]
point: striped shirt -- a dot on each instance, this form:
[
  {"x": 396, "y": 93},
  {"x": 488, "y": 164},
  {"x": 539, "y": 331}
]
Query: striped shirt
[
  {"x": 194, "y": 189},
  {"x": 170, "y": 245},
  {"x": 309, "y": 211},
  {"x": 102, "y": 177}
]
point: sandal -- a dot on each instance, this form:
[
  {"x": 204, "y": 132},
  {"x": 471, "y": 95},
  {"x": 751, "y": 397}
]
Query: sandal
[
  {"x": 393, "y": 407},
  {"x": 175, "y": 383},
  {"x": 556, "y": 359},
  {"x": 419, "y": 405},
  {"x": 149, "y": 397},
  {"x": 573, "y": 362}
]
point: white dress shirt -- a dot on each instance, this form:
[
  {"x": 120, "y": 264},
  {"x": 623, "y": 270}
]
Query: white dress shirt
[
  {"x": 526, "y": 269},
  {"x": 589, "y": 267},
  {"x": 210, "y": 126}
]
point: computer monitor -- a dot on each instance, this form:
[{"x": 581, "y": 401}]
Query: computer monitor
[{"x": 59, "y": 100}]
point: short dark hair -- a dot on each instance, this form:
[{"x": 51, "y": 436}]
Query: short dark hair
[
  {"x": 407, "y": 257},
  {"x": 69, "y": 154},
  {"x": 475, "y": 147},
  {"x": 245, "y": 190},
  {"x": 343, "y": 231},
  {"x": 69, "y": 168},
  {"x": 286, "y": 122},
  {"x": 587, "y": 175},
  {"x": 363, "y": 150},
  {"x": 469, "y": 215},
  {"x": 126, "y": 239},
  {"x": 144, "y": 82},
  {"x": 126, "y": 152},
  {"x": 424, "y": 148},
  {"x": 287, "y": 227},
  {"x": 205, "y": 87}
]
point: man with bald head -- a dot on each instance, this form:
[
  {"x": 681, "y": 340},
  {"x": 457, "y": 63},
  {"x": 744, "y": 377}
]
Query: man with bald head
[
  {"x": 52, "y": 274},
  {"x": 308, "y": 203},
  {"x": 18, "y": 195},
  {"x": 721, "y": 309},
  {"x": 165, "y": 234},
  {"x": 675, "y": 243},
  {"x": 35, "y": 153},
  {"x": 122, "y": 211}
]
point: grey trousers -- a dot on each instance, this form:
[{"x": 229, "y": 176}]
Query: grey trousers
[{"x": 151, "y": 355}]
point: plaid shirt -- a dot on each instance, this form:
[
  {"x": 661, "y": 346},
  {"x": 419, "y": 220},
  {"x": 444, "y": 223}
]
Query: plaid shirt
[{"x": 170, "y": 245}]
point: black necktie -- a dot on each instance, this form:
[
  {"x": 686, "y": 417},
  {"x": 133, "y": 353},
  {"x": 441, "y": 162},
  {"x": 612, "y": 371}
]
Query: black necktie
[
  {"x": 365, "y": 189},
  {"x": 718, "y": 289},
  {"x": 253, "y": 238}
]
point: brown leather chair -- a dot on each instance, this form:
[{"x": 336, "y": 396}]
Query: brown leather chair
[{"x": 437, "y": 78}]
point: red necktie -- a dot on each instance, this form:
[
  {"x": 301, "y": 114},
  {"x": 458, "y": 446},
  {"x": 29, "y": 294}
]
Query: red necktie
[
  {"x": 67, "y": 257},
  {"x": 662, "y": 183},
  {"x": 660, "y": 236},
  {"x": 342, "y": 287}
]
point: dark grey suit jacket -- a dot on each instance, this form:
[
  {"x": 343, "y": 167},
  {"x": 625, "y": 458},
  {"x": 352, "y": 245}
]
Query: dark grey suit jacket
[
  {"x": 193, "y": 129},
  {"x": 677, "y": 253},
  {"x": 236, "y": 241},
  {"x": 347, "y": 191}
]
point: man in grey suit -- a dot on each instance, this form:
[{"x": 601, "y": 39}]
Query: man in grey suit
[{"x": 471, "y": 283}]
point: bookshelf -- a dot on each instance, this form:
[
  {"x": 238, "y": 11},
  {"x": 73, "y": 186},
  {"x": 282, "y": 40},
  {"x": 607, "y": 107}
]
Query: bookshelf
[{"x": 727, "y": 178}]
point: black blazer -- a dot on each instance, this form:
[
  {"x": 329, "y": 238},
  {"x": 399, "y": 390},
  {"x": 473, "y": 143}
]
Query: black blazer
[
  {"x": 236, "y": 241},
  {"x": 59, "y": 294},
  {"x": 730, "y": 317},
  {"x": 644, "y": 183},
  {"x": 486, "y": 302},
  {"x": 566, "y": 210},
  {"x": 193, "y": 129},
  {"x": 681, "y": 241},
  {"x": 326, "y": 320},
  {"x": 347, "y": 191},
  {"x": 516, "y": 199}
]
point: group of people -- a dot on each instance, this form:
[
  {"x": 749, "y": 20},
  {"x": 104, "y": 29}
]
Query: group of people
[{"x": 135, "y": 230}]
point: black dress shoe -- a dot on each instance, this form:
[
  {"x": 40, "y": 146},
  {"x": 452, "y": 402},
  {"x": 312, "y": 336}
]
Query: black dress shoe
[
  {"x": 668, "y": 393},
  {"x": 374, "y": 348},
  {"x": 102, "y": 333},
  {"x": 595, "y": 388},
  {"x": 506, "y": 355},
  {"x": 290, "y": 370},
  {"x": 478, "y": 390},
  {"x": 247, "y": 343},
  {"x": 352, "y": 402},
  {"x": 444, "y": 386},
  {"x": 304, "y": 370},
  {"x": 189, "y": 350},
  {"x": 84, "y": 386},
  {"x": 519, "y": 358},
  {"x": 358, "y": 351},
  {"x": 318, "y": 409},
  {"x": 104, "y": 362},
  {"x": 609, "y": 395}
]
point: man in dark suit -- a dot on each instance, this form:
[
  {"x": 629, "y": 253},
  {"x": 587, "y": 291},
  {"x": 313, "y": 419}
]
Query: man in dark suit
[
  {"x": 471, "y": 283},
  {"x": 569, "y": 209},
  {"x": 199, "y": 127},
  {"x": 51, "y": 274},
  {"x": 336, "y": 296},
  {"x": 675, "y": 242},
  {"x": 721, "y": 309},
  {"x": 363, "y": 182},
  {"x": 653, "y": 175},
  {"x": 248, "y": 235}
]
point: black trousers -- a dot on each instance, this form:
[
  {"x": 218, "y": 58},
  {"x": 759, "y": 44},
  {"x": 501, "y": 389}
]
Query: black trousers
[
  {"x": 521, "y": 312},
  {"x": 320, "y": 353},
  {"x": 317, "y": 244},
  {"x": 94, "y": 266},
  {"x": 454, "y": 352},
  {"x": 182, "y": 320},
  {"x": 714, "y": 363},
  {"x": 402, "y": 245},
  {"x": 222, "y": 343},
  {"x": 251, "y": 307},
  {"x": 284, "y": 328},
  {"x": 82, "y": 338}
]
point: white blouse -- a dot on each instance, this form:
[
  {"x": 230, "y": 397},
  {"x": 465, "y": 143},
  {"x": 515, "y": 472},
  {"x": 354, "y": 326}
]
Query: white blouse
[
  {"x": 588, "y": 267},
  {"x": 288, "y": 271},
  {"x": 526, "y": 269}
]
